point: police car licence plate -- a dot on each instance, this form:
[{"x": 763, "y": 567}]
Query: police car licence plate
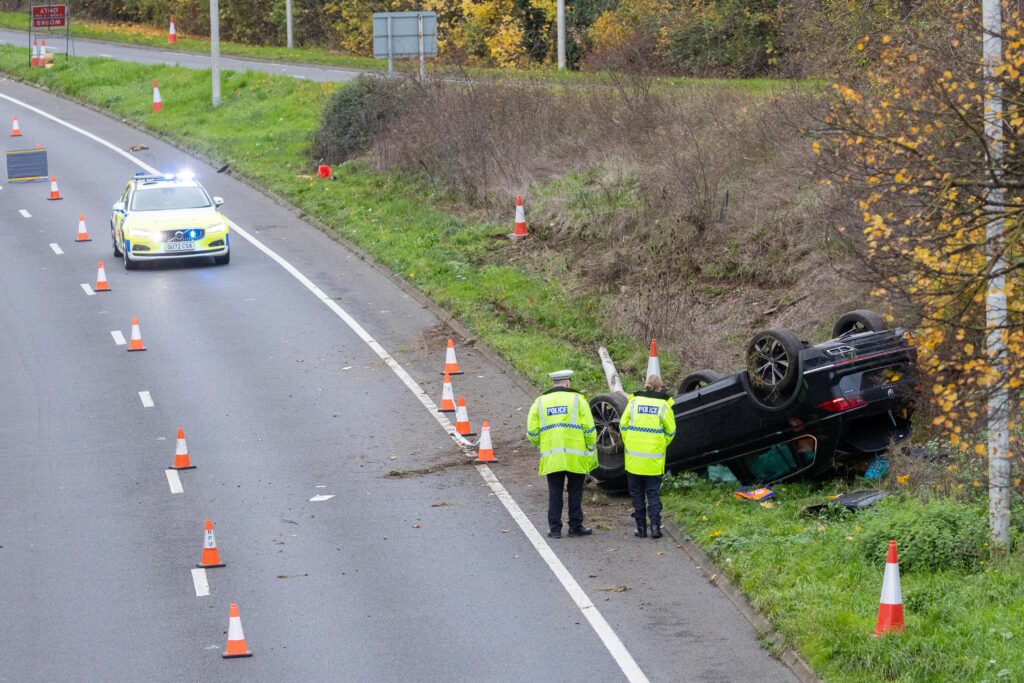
[{"x": 179, "y": 246}]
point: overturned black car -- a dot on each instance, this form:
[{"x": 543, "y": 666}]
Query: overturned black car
[{"x": 797, "y": 410}]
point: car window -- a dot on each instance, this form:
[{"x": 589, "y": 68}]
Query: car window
[
  {"x": 124, "y": 195},
  {"x": 167, "y": 198},
  {"x": 781, "y": 461}
]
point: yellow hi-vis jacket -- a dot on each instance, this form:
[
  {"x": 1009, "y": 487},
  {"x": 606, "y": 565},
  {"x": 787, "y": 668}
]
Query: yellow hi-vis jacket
[
  {"x": 647, "y": 426},
  {"x": 561, "y": 426}
]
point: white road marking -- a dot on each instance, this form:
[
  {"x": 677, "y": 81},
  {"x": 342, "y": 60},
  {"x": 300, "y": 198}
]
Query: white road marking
[
  {"x": 88, "y": 290},
  {"x": 202, "y": 586},
  {"x": 320, "y": 497},
  {"x": 174, "y": 481},
  {"x": 24, "y": 213},
  {"x": 118, "y": 337},
  {"x": 601, "y": 627},
  {"x": 147, "y": 399},
  {"x": 56, "y": 248}
]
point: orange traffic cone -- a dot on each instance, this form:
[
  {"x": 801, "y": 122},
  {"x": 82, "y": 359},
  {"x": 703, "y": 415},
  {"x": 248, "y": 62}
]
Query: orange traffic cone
[
  {"x": 236, "y": 646},
  {"x": 211, "y": 558},
  {"x": 54, "y": 192},
  {"x": 519, "y": 231},
  {"x": 462, "y": 425},
  {"x": 447, "y": 396},
  {"x": 890, "y": 609},
  {"x": 135, "y": 343},
  {"x": 486, "y": 452},
  {"x": 653, "y": 365},
  {"x": 15, "y": 128},
  {"x": 181, "y": 459},
  {"x": 158, "y": 104},
  {"x": 451, "y": 366},
  {"x": 101, "y": 279},
  {"x": 172, "y": 34},
  {"x": 35, "y": 53},
  {"x": 83, "y": 234}
]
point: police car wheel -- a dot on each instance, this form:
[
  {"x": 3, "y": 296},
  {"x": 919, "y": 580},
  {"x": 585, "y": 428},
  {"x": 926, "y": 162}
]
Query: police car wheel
[
  {"x": 113, "y": 240},
  {"x": 129, "y": 264}
]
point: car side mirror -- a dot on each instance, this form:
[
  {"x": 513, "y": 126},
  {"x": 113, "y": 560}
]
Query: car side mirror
[
  {"x": 218, "y": 201},
  {"x": 119, "y": 207}
]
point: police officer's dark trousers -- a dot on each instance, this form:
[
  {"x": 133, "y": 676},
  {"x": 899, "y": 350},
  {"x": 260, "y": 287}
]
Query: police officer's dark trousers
[
  {"x": 556, "y": 484},
  {"x": 646, "y": 492}
]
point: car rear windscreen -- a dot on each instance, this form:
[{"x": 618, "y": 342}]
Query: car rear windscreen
[{"x": 169, "y": 198}]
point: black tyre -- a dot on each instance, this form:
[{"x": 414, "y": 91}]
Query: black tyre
[
  {"x": 222, "y": 260},
  {"x": 697, "y": 380},
  {"x": 773, "y": 364},
  {"x": 128, "y": 263},
  {"x": 858, "y": 321},
  {"x": 611, "y": 459}
]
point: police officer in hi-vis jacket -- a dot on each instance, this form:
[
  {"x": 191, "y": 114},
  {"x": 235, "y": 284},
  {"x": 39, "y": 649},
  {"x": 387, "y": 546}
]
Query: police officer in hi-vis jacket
[
  {"x": 647, "y": 426},
  {"x": 561, "y": 426}
]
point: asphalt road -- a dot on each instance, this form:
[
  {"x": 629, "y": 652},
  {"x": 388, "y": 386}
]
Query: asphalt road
[
  {"x": 82, "y": 47},
  {"x": 423, "y": 576}
]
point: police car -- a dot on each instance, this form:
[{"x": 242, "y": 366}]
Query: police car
[{"x": 169, "y": 216}]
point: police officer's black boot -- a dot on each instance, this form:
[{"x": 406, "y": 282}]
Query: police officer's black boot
[
  {"x": 655, "y": 529},
  {"x": 641, "y": 528},
  {"x": 580, "y": 531}
]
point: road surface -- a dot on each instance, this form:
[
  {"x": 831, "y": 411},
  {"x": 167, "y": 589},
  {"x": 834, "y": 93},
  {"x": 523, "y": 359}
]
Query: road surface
[
  {"x": 83, "y": 47},
  {"x": 293, "y": 372}
]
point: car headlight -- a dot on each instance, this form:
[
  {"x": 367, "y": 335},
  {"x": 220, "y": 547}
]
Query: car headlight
[
  {"x": 137, "y": 232},
  {"x": 218, "y": 227}
]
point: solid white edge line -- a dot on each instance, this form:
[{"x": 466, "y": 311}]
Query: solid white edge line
[
  {"x": 174, "y": 481},
  {"x": 56, "y": 248},
  {"x": 604, "y": 630},
  {"x": 24, "y": 213},
  {"x": 146, "y": 398},
  {"x": 597, "y": 621},
  {"x": 88, "y": 290},
  {"x": 199, "y": 581},
  {"x": 118, "y": 337}
]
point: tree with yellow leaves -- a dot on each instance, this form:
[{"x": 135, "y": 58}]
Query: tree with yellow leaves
[{"x": 909, "y": 139}]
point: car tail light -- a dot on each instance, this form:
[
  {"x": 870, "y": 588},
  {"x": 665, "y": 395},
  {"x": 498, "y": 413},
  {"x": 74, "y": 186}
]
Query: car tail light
[{"x": 838, "y": 405}]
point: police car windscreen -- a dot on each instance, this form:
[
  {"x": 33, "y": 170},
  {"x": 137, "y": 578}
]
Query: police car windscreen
[{"x": 164, "y": 198}]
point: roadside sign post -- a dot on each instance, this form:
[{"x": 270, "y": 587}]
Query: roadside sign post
[
  {"x": 288, "y": 22},
  {"x": 215, "y": 49},
  {"x": 43, "y": 19},
  {"x": 560, "y": 20},
  {"x": 407, "y": 35}
]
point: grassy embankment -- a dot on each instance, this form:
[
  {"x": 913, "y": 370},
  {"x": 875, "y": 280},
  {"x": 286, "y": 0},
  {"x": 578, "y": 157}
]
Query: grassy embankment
[
  {"x": 263, "y": 128},
  {"x": 810, "y": 576},
  {"x": 148, "y": 36}
]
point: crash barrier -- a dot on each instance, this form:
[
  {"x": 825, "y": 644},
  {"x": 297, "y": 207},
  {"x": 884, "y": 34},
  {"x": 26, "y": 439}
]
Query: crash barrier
[{"x": 27, "y": 164}]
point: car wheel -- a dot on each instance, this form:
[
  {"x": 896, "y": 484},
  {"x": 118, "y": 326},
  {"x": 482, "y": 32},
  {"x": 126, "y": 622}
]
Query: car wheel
[
  {"x": 222, "y": 260},
  {"x": 697, "y": 380},
  {"x": 611, "y": 459},
  {"x": 859, "y": 321},
  {"x": 129, "y": 264},
  {"x": 773, "y": 365}
]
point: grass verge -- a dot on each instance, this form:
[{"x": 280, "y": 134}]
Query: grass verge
[
  {"x": 136, "y": 34},
  {"x": 264, "y": 126},
  {"x": 811, "y": 578}
]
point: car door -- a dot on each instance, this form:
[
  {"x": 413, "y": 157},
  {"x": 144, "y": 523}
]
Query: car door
[{"x": 119, "y": 216}]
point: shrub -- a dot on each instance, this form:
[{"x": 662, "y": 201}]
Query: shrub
[
  {"x": 355, "y": 115},
  {"x": 937, "y": 535}
]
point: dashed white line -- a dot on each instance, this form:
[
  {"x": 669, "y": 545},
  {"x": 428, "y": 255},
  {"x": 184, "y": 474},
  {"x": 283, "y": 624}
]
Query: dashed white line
[
  {"x": 24, "y": 213},
  {"x": 147, "y": 399},
  {"x": 174, "y": 481},
  {"x": 118, "y": 337},
  {"x": 320, "y": 497},
  {"x": 202, "y": 586},
  {"x": 56, "y": 248},
  {"x": 601, "y": 627},
  {"x": 88, "y": 290}
]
